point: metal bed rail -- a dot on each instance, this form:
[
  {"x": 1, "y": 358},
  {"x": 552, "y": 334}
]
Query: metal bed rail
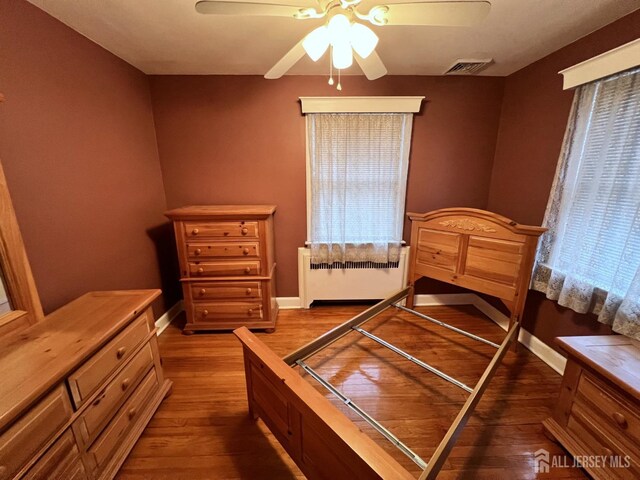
[
  {"x": 364, "y": 415},
  {"x": 413, "y": 359},
  {"x": 446, "y": 325}
]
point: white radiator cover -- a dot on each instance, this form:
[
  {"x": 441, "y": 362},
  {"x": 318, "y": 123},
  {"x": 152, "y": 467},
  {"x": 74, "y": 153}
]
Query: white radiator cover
[{"x": 348, "y": 284}]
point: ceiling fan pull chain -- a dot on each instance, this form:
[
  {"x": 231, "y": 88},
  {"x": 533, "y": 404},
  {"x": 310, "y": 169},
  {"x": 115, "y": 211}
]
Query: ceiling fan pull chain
[
  {"x": 330, "y": 65},
  {"x": 339, "y": 87}
]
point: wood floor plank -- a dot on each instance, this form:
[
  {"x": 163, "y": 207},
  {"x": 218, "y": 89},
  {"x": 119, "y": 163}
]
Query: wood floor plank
[{"x": 202, "y": 431}]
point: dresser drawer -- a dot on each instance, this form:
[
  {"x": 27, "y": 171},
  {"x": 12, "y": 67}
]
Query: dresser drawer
[
  {"x": 196, "y": 251},
  {"x": 224, "y": 269},
  {"x": 58, "y": 459},
  {"x": 29, "y": 434},
  {"x": 225, "y": 290},
  {"x": 615, "y": 414},
  {"x": 597, "y": 442},
  {"x": 112, "y": 396},
  {"x": 212, "y": 312},
  {"x": 84, "y": 381},
  {"x": 116, "y": 431},
  {"x": 221, "y": 229}
]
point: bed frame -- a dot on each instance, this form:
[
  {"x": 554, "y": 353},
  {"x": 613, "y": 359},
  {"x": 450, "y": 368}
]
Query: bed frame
[{"x": 475, "y": 249}]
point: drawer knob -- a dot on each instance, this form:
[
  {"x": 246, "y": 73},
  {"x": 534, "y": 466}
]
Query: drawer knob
[
  {"x": 125, "y": 384},
  {"x": 244, "y": 231},
  {"x": 248, "y": 291},
  {"x": 202, "y": 291},
  {"x": 245, "y": 251},
  {"x": 131, "y": 413},
  {"x": 97, "y": 401},
  {"x": 205, "y": 313},
  {"x": 620, "y": 420},
  {"x": 195, "y": 231},
  {"x": 247, "y": 270},
  {"x": 197, "y": 251},
  {"x": 120, "y": 353},
  {"x": 250, "y": 312},
  {"x": 200, "y": 270}
]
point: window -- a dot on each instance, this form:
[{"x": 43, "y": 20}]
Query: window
[
  {"x": 590, "y": 258},
  {"x": 357, "y": 184}
]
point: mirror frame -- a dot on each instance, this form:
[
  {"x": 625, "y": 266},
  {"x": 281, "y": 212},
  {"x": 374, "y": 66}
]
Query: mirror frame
[{"x": 16, "y": 272}]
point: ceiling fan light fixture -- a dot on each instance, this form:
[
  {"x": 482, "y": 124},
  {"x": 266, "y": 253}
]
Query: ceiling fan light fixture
[
  {"x": 342, "y": 55},
  {"x": 338, "y": 33},
  {"x": 363, "y": 39},
  {"x": 316, "y": 43}
]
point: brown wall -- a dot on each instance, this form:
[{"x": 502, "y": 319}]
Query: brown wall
[
  {"x": 241, "y": 139},
  {"x": 78, "y": 146},
  {"x": 534, "y": 116}
]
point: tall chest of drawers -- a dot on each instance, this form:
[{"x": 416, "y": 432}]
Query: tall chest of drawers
[
  {"x": 597, "y": 416},
  {"x": 79, "y": 387},
  {"x": 227, "y": 266}
]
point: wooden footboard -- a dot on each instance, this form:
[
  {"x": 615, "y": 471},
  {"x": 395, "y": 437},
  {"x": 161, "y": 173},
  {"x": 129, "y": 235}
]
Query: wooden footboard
[{"x": 322, "y": 441}]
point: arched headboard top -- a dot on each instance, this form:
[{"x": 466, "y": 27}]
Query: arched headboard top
[{"x": 474, "y": 220}]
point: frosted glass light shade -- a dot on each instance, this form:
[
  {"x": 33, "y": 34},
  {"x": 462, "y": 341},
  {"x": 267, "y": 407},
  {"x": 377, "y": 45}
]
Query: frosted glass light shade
[
  {"x": 339, "y": 29},
  {"x": 363, "y": 40},
  {"x": 342, "y": 55},
  {"x": 345, "y": 37},
  {"x": 316, "y": 43}
]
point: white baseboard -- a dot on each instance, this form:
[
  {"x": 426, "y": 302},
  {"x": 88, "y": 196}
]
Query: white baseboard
[
  {"x": 288, "y": 303},
  {"x": 536, "y": 346},
  {"x": 422, "y": 300},
  {"x": 543, "y": 351},
  {"x": 490, "y": 311},
  {"x": 167, "y": 317}
]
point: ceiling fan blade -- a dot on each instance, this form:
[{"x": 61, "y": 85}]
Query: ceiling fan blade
[
  {"x": 447, "y": 14},
  {"x": 243, "y": 8},
  {"x": 286, "y": 62},
  {"x": 372, "y": 66}
]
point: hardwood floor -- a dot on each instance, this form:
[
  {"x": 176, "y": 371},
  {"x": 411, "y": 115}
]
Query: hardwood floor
[{"x": 203, "y": 431}]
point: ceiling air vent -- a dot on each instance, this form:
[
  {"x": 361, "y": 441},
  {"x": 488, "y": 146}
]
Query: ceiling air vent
[{"x": 468, "y": 67}]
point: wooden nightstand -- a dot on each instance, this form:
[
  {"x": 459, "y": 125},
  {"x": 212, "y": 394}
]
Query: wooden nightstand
[{"x": 598, "y": 411}]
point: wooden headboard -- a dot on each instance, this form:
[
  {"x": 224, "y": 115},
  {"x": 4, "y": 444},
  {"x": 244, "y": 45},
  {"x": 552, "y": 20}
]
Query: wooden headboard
[{"x": 475, "y": 249}]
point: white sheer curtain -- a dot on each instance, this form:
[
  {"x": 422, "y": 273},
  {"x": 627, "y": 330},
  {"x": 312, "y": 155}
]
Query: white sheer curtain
[
  {"x": 358, "y": 177},
  {"x": 589, "y": 260}
]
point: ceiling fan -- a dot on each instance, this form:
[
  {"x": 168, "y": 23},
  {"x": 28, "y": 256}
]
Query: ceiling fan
[{"x": 344, "y": 34}]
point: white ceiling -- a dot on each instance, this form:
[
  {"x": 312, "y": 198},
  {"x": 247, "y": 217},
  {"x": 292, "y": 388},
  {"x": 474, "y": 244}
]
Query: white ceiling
[{"x": 169, "y": 37}]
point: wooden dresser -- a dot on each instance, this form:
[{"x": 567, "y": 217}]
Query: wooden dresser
[
  {"x": 227, "y": 266},
  {"x": 78, "y": 388},
  {"x": 598, "y": 411}
]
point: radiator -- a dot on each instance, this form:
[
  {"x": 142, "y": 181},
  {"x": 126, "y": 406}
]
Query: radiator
[{"x": 350, "y": 283}]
